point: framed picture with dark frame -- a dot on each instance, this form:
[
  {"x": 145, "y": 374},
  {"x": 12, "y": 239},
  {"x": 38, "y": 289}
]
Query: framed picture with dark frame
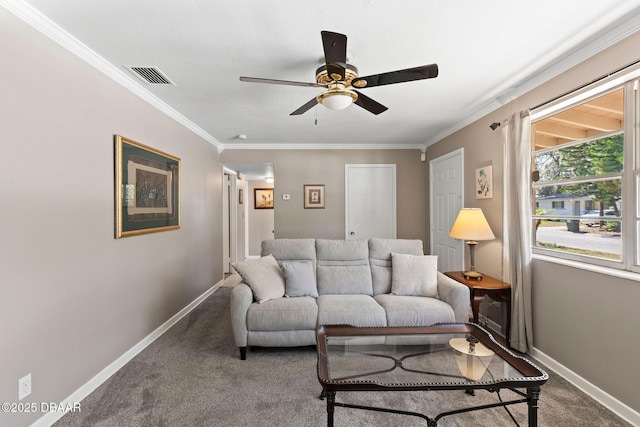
[
  {"x": 314, "y": 196},
  {"x": 147, "y": 189},
  {"x": 263, "y": 198}
]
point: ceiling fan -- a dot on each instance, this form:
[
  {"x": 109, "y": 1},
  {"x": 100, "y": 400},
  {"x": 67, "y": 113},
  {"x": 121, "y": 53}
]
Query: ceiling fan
[{"x": 339, "y": 78}]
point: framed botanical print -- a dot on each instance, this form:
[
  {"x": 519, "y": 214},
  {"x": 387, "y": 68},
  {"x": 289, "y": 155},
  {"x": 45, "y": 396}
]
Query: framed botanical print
[
  {"x": 147, "y": 189},
  {"x": 484, "y": 182}
]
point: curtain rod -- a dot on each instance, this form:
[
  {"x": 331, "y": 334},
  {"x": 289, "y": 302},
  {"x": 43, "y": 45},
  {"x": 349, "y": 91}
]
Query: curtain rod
[
  {"x": 495, "y": 125},
  {"x": 587, "y": 84}
]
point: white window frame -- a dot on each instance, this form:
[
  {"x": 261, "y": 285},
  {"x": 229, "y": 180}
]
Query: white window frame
[{"x": 629, "y": 78}]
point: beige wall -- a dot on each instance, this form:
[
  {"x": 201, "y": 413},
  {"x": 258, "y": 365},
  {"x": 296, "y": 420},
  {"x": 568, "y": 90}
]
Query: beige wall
[
  {"x": 481, "y": 147},
  {"x": 261, "y": 221},
  {"x": 294, "y": 168},
  {"x": 585, "y": 321},
  {"x": 72, "y": 298}
]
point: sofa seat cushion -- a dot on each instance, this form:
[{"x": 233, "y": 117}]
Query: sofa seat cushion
[
  {"x": 283, "y": 314},
  {"x": 414, "y": 311},
  {"x": 356, "y": 310}
]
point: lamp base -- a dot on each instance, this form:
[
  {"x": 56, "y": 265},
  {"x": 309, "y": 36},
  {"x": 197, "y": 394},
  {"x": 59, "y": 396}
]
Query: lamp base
[{"x": 472, "y": 274}]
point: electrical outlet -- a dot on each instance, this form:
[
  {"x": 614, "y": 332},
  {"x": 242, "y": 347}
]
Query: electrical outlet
[{"x": 24, "y": 386}]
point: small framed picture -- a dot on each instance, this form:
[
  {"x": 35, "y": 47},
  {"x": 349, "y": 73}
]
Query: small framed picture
[
  {"x": 484, "y": 182},
  {"x": 314, "y": 196},
  {"x": 263, "y": 198}
]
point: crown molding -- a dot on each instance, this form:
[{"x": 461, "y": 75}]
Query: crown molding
[
  {"x": 269, "y": 146},
  {"x": 599, "y": 41},
  {"x": 49, "y": 28}
]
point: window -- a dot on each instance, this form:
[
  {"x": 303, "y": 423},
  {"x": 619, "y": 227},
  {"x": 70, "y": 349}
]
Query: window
[{"x": 586, "y": 183}]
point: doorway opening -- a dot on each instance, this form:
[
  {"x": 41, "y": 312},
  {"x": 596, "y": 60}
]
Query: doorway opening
[{"x": 245, "y": 227}]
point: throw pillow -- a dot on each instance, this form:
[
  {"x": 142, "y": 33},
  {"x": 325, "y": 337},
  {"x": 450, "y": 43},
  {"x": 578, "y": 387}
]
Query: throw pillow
[
  {"x": 299, "y": 279},
  {"x": 264, "y": 277},
  {"x": 415, "y": 275}
]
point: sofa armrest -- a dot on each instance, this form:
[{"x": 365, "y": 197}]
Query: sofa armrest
[
  {"x": 241, "y": 299},
  {"x": 456, "y": 295}
]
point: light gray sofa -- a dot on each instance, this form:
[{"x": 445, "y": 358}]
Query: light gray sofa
[{"x": 354, "y": 284}]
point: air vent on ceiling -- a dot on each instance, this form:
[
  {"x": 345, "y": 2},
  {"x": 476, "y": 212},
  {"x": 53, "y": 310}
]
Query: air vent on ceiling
[{"x": 150, "y": 75}]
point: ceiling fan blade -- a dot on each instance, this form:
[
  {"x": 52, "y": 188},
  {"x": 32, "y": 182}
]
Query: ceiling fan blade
[
  {"x": 369, "y": 104},
  {"x": 335, "y": 53},
  {"x": 306, "y": 107},
  {"x": 400, "y": 76},
  {"x": 279, "y": 82}
]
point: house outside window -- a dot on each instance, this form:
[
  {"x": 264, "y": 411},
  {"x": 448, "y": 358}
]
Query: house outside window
[{"x": 586, "y": 181}]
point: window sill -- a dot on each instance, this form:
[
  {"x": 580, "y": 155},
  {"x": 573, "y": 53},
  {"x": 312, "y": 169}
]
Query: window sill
[{"x": 629, "y": 275}]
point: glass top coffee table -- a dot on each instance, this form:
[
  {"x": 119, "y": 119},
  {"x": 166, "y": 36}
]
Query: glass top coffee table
[{"x": 460, "y": 356}]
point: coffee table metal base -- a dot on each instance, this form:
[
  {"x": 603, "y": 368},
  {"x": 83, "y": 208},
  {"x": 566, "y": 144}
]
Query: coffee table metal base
[
  {"x": 428, "y": 358},
  {"x": 530, "y": 398}
]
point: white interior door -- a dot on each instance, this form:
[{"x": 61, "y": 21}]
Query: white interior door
[
  {"x": 370, "y": 201},
  {"x": 446, "y": 187}
]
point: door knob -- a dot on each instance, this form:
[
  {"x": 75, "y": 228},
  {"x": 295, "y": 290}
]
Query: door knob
[{"x": 353, "y": 233}]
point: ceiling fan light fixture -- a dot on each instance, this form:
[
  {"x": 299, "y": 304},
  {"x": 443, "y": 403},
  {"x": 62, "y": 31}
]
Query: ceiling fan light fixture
[{"x": 337, "y": 98}]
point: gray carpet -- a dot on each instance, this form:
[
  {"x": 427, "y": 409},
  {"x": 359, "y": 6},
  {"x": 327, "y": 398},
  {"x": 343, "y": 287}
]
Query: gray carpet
[{"x": 193, "y": 376}]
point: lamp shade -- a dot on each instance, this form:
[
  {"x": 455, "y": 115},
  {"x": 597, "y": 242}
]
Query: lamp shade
[
  {"x": 471, "y": 225},
  {"x": 472, "y": 357}
]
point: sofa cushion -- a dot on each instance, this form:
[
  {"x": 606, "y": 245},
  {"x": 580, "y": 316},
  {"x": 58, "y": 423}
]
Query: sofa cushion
[
  {"x": 380, "y": 251},
  {"x": 343, "y": 267},
  {"x": 414, "y": 311},
  {"x": 290, "y": 249},
  {"x": 356, "y": 310},
  {"x": 415, "y": 275},
  {"x": 283, "y": 314},
  {"x": 299, "y": 279},
  {"x": 264, "y": 277}
]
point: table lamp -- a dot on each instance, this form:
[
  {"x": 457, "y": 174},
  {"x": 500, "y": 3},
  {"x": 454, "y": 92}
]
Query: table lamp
[
  {"x": 471, "y": 356},
  {"x": 471, "y": 225}
]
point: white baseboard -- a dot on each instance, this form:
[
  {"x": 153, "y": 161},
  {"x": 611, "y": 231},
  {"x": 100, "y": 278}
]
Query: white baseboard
[
  {"x": 622, "y": 410},
  {"x": 51, "y": 417},
  {"x": 491, "y": 324}
]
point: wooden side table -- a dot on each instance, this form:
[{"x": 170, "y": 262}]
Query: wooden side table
[{"x": 494, "y": 288}]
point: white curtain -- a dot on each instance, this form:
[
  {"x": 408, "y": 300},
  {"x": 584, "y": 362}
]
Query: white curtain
[{"x": 517, "y": 226}]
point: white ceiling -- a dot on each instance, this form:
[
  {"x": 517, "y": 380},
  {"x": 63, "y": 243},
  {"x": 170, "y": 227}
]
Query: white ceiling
[{"x": 488, "y": 52}]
